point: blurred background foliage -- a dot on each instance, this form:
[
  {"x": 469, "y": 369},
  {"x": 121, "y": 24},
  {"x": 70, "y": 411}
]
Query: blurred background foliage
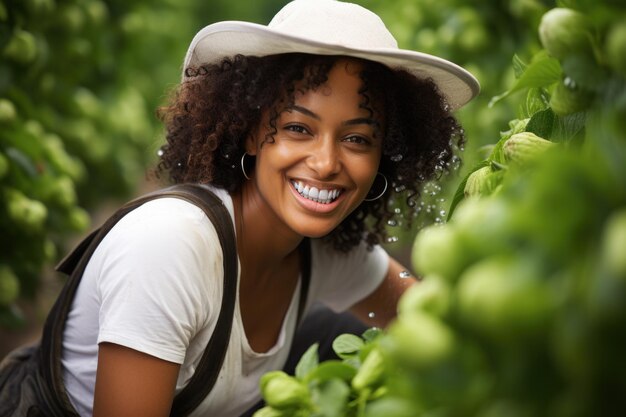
[
  {"x": 80, "y": 81},
  {"x": 79, "y": 84}
]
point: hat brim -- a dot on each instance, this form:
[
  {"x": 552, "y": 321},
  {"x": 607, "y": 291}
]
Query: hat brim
[{"x": 229, "y": 38}]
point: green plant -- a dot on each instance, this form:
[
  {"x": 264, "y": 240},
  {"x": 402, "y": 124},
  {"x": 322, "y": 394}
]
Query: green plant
[{"x": 521, "y": 309}]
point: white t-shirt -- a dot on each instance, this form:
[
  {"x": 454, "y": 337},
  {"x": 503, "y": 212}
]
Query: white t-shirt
[{"x": 154, "y": 284}]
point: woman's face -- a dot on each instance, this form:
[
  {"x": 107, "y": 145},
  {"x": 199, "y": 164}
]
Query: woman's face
[{"x": 324, "y": 156}]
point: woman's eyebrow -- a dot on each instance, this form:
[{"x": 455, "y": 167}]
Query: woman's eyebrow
[
  {"x": 361, "y": 121},
  {"x": 304, "y": 111},
  {"x": 351, "y": 122}
]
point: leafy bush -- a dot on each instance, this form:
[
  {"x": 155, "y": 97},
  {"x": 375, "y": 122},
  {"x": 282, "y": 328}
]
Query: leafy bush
[
  {"x": 79, "y": 84},
  {"x": 521, "y": 310}
]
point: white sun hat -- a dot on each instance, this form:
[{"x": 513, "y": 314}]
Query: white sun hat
[{"x": 328, "y": 27}]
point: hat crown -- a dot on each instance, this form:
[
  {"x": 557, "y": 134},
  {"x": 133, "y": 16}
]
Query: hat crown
[{"x": 333, "y": 22}]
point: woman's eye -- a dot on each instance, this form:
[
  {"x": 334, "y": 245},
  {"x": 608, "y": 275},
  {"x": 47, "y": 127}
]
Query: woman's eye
[
  {"x": 297, "y": 129},
  {"x": 357, "y": 139}
]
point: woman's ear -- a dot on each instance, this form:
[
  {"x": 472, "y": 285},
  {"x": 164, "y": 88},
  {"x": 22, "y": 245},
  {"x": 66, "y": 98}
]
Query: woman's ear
[{"x": 251, "y": 144}]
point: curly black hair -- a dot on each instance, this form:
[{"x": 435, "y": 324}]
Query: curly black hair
[{"x": 213, "y": 111}]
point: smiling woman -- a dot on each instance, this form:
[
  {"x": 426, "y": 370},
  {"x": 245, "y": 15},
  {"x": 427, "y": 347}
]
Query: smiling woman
[
  {"x": 215, "y": 110},
  {"x": 304, "y": 130}
]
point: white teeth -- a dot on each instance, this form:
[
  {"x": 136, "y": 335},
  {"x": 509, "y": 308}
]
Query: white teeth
[{"x": 315, "y": 194}]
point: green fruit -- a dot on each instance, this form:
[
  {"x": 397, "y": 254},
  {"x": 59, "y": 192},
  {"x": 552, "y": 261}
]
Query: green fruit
[
  {"x": 431, "y": 295},
  {"x": 482, "y": 226},
  {"x": 504, "y": 297},
  {"x": 613, "y": 245},
  {"x": 60, "y": 159},
  {"x": 58, "y": 191},
  {"x": 615, "y": 48},
  {"x": 30, "y": 214},
  {"x": 71, "y": 18},
  {"x": 420, "y": 339},
  {"x": 282, "y": 391},
  {"x": 565, "y": 32},
  {"x": 269, "y": 412},
  {"x": 22, "y": 47},
  {"x": 483, "y": 181},
  {"x": 97, "y": 11},
  {"x": 524, "y": 146},
  {"x": 9, "y": 286},
  {"x": 7, "y": 111},
  {"x": 49, "y": 250},
  {"x": 87, "y": 103},
  {"x": 438, "y": 251},
  {"x": 569, "y": 99},
  {"x": 474, "y": 33},
  {"x": 371, "y": 371}
]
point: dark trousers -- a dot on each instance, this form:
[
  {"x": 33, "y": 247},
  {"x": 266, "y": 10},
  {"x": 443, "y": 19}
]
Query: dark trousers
[{"x": 321, "y": 325}]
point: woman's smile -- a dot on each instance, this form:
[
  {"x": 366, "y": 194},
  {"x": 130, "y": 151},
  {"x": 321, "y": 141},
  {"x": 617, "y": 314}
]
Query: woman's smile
[{"x": 317, "y": 198}]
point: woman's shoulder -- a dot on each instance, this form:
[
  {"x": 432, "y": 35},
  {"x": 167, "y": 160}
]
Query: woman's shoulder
[{"x": 172, "y": 213}]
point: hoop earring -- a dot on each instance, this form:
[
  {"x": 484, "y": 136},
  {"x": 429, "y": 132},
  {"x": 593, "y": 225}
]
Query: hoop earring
[
  {"x": 243, "y": 167},
  {"x": 382, "y": 192}
]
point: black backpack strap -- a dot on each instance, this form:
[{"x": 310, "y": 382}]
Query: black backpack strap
[
  {"x": 305, "y": 268},
  {"x": 205, "y": 375},
  {"x": 74, "y": 264}
]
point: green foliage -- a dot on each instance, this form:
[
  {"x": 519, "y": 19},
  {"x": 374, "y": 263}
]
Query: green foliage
[
  {"x": 80, "y": 81},
  {"x": 521, "y": 311}
]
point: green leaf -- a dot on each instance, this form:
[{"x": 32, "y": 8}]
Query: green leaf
[
  {"x": 332, "y": 398},
  {"x": 568, "y": 127},
  {"x": 371, "y": 334},
  {"x": 332, "y": 369},
  {"x": 542, "y": 123},
  {"x": 519, "y": 66},
  {"x": 497, "y": 166},
  {"x": 307, "y": 362},
  {"x": 536, "y": 100},
  {"x": 459, "y": 194},
  {"x": 392, "y": 407},
  {"x": 542, "y": 72},
  {"x": 347, "y": 345},
  {"x": 497, "y": 155}
]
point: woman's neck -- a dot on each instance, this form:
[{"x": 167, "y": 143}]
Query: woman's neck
[{"x": 263, "y": 242}]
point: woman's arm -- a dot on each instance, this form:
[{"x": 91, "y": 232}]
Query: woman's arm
[
  {"x": 379, "y": 308},
  {"x": 131, "y": 383}
]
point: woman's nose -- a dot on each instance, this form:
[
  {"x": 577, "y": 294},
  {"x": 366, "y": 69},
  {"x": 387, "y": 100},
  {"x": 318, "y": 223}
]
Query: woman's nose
[{"x": 325, "y": 158}]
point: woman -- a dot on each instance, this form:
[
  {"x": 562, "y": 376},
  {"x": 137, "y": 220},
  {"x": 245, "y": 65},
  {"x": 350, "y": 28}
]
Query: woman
[{"x": 304, "y": 128}]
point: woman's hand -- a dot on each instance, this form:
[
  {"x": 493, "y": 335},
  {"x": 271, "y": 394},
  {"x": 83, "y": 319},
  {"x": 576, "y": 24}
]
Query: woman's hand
[
  {"x": 380, "y": 307},
  {"x": 131, "y": 383}
]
